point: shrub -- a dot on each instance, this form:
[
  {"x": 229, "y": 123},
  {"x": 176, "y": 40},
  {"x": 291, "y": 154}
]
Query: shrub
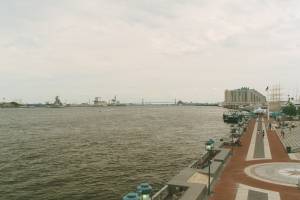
[{"x": 290, "y": 109}]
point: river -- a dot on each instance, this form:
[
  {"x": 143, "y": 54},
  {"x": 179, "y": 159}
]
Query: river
[{"x": 99, "y": 153}]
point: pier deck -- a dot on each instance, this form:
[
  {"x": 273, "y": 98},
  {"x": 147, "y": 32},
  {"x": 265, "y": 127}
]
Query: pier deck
[{"x": 260, "y": 169}]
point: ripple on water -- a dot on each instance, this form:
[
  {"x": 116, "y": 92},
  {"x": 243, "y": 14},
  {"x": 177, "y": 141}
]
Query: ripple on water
[{"x": 81, "y": 153}]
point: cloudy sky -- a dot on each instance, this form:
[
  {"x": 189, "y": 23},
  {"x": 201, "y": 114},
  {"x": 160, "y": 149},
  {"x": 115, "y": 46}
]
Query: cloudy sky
[{"x": 153, "y": 49}]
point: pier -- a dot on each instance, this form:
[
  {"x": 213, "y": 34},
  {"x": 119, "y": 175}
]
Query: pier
[
  {"x": 257, "y": 163},
  {"x": 259, "y": 169}
]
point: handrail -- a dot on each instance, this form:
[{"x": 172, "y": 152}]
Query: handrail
[{"x": 162, "y": 193}]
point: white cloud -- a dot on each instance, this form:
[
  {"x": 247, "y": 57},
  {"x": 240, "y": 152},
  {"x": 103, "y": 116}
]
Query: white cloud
[{"x": 155, "y": 49}]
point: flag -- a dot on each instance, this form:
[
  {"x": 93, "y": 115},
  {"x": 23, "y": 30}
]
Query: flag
[{"x": 267, "y": 88}]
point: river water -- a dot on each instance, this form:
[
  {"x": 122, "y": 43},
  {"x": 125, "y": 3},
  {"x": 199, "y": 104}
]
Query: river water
[{"x": 99, "y": 153}]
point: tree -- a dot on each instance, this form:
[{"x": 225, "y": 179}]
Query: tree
[{"x": 290, "y": 109}]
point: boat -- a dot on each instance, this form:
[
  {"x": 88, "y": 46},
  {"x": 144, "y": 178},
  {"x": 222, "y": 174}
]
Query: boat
[
  {"x": 57, "y": 103},
  {"x": 232, "y": 116}
]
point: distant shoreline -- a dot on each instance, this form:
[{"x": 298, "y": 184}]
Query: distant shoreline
[{"x": 3, "y": 106}]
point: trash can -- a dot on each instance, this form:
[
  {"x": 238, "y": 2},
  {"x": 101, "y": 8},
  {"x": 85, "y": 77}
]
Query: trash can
[{"x": 288, "y": 149}]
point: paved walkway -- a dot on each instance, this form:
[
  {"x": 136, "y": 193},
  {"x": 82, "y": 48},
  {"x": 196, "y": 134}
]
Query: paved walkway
[
  {"x": 294, "y": 156},
  {"x": 246, "y": 192},
  {"x": 291, "y": 137},
  {"x": 259, "y": 146},
  {"x": 235, "y": 184}
]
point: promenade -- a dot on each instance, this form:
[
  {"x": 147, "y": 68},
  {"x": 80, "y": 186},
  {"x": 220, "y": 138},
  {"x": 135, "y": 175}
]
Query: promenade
[{"x": 260, "y": 169}]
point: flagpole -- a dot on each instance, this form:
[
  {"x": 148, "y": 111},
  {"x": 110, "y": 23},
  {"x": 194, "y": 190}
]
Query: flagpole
[
  {"x": 268, "y": 111},
  {"x": 268, "y": 104}
]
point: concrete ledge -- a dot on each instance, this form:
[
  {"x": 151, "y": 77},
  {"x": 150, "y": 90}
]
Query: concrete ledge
[
  {"x": 215, "y": 168},
  {"x": 191, "y": 182},
  {"x": 218, "y": 144},
  {"x": 195, "y": 193},
  {"x": 223, "y": 155},
  {"x": 194, "y": 190},
  {"x": 183, "y": 176}
]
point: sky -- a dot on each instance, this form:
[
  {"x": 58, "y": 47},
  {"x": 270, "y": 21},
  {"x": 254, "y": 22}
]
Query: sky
[{"x": 158, "y": 50}]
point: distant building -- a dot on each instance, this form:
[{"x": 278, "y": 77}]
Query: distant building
[
  {"x": 275, "y": 99},
  {"x": 114, "y": 102},
  {"x": 99, "y": 102},
  {"x": 243, "y": 97}
]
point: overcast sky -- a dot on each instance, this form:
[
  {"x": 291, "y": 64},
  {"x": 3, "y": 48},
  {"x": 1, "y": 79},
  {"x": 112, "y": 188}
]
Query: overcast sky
[{"x": 153, "y": 49}]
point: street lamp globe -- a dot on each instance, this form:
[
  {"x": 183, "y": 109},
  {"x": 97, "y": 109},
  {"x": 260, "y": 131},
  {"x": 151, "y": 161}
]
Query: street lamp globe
[
  {"x": 131, "y": 196},
  {"x": 209, "y": 145},
  {"x": 144, "y": 190}
]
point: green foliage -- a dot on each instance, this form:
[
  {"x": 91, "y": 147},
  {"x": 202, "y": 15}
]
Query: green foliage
[
  {"x": 14, "y": 104},
  {"x": 290, "y": 109}
]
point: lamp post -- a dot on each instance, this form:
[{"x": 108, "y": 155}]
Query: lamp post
[
  {"x": 144, "y": 190},
  {"x": 268, "y": 103},
  {"x": 209, "y": 148},
  {"x": 232, "y": 144}
]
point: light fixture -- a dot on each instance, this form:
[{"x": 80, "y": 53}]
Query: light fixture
[
  {"x": 209, "y": 145},
  {"x": 144, "y": 190},
  {"x": 131, "y": 196}
]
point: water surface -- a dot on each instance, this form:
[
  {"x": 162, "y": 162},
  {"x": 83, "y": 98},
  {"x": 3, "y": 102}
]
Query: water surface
[{"x": 99, "y": 153}]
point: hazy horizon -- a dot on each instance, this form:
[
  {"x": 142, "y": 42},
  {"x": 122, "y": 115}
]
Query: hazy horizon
[{"x": 157, "y": 50}]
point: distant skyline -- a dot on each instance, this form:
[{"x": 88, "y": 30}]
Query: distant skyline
[{"x": 191, "y": 50}]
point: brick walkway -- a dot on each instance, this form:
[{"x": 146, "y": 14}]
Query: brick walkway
[{"x": 234, "y": 175}]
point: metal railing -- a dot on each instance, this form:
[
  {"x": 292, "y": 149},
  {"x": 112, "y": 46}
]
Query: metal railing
[{"x": 162, "y": 193}]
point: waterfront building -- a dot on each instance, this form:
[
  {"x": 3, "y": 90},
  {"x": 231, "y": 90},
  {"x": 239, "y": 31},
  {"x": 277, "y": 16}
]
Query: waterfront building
[
  {"x": 99, "y": 102},
  {"x": 243, "y": 97},
  {"x": 114, "y": 102}
]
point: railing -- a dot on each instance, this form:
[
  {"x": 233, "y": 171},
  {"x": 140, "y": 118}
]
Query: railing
[
  {"x": 296, "y": 149},
  {"x": 201, "y": 162},
  {"x": 161, "y": 194}
]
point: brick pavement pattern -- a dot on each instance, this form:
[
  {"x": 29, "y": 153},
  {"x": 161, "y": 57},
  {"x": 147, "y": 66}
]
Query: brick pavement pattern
[{"x": 233, "y": 173}]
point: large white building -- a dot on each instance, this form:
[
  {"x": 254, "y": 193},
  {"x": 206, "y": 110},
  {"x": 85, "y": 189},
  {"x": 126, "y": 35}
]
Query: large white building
[{"x": 243, "y": 97}]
